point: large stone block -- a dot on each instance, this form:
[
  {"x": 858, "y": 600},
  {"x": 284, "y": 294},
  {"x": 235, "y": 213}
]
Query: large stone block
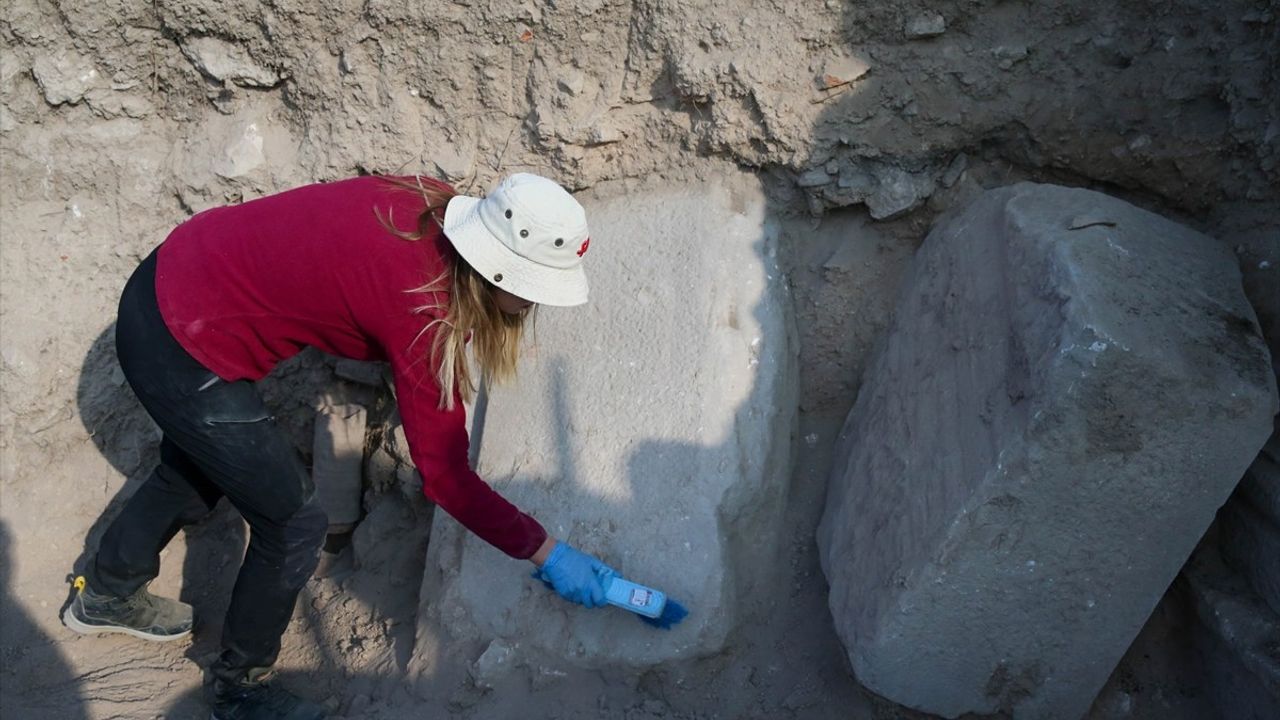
[
  {"x": 651, "y": 427},
  {"x": 1069, "y": 390}
]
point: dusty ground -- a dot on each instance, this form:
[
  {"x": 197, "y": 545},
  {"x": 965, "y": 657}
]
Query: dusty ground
[{"x": 120, "y": 118}]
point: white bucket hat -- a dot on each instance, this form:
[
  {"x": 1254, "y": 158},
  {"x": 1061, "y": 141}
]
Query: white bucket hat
[{"x": 526, "y": 237}]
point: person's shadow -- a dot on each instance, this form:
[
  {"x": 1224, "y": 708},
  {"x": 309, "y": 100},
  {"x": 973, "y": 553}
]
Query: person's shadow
[{"x": 38, "y": 682}]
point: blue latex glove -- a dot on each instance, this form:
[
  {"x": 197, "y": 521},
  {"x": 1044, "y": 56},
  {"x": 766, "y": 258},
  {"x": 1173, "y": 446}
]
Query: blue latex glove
[{"x": 575, "y": 575}]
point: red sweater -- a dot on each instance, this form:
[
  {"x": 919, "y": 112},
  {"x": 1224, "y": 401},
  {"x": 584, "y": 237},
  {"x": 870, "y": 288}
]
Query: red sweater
[{"x": 244, "y": 287}]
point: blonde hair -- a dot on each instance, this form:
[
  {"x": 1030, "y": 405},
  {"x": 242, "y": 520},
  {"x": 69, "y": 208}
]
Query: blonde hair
[{"x": 471, "y": 312}]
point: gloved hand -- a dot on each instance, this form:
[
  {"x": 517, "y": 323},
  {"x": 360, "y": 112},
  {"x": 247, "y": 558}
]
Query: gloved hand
[{"x": 575, "y": 575}]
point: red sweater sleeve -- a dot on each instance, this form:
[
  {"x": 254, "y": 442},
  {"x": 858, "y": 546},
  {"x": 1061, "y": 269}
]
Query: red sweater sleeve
[{"x": 438, "y": 444}]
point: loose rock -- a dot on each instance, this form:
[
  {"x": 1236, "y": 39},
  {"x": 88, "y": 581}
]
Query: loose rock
[
  {"x": 896, "y": 191},
  {"x": 842, "y": 71},
  {"x": 492, "y": 665},
  {"x": 926, "y": 26},
  {"x": 221, "y": 60},
  {"x": 65, "y": 77},
  {"x": 813, "y": 178}
]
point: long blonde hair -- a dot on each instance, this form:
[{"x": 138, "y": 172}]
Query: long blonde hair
[{"x": 472, "y": 310}]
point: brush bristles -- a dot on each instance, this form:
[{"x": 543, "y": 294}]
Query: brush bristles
[{"x": 671, "y": 615}]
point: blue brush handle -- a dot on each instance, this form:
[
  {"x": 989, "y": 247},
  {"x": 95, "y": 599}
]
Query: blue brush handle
[{"x": 631, "y": 596}]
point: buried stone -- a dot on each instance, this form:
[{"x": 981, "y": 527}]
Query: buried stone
[
  {"x": 1048, "y": 427},
  {"x": 667, "y": 407}
]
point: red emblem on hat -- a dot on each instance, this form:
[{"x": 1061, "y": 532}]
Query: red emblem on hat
[{"x": 583, "y": 250}]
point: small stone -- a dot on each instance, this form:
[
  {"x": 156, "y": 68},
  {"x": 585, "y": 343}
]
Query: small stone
[
  {"x": 1140, "y": 142},
  {"x": 573, "y": 82},
  {"x": 455, "y": 161},
  {"x": 813, "y": 178},
  {"x": 122, "y": 81},
  {"x": 604, "y": 134},
  {"x": 842, "y": 71},
  {"x": 955, "y": 170},
  {"x": 531, "y": 12},
  {"x": 243, "y": 153},
  {"x": 897, "y": 191},
  {"x": 493, "y": 664},
  {"x": 855, "y": 177},
  {"x": 224, "y": 61},
  {"x": 65, "y": 77},
  {"x": 345, "y": 64},
  {"x": 1009, "y": 55},
  {"x": 115, "y": 104},
  {"x": 926, "y": 26}
]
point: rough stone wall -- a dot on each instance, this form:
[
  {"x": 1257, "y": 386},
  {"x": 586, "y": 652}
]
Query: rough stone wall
[
  {"x": 858, "y": 100},
  {"x": 121, "y": 117}
]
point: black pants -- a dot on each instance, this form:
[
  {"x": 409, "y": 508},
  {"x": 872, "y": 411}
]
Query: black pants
[{"x": 219, "y": 440}]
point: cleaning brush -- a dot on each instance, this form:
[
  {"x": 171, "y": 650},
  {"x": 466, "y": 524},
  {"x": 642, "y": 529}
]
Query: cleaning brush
[{"x": 653, "y": 607}]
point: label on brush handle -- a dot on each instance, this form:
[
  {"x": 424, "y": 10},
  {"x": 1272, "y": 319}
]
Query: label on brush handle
[{"x": 634, "y": 597}]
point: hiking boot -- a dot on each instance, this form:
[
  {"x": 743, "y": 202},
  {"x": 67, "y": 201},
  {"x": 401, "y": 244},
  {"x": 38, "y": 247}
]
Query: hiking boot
[
  {"x": 255, "y": 698},
  {"x": 141, "y": 615}
]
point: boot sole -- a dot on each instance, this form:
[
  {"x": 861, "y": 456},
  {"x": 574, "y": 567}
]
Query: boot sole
[{"x": 71, "y": 621}]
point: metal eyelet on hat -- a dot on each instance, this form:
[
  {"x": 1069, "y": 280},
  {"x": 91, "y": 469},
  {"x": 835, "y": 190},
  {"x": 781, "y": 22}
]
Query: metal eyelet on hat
[
  {"x": 508, "y": 214},
  {"x": 559, "y": 242},
  {"x": 524, "y": 233},
  {"x": 497, "y": 278}
]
